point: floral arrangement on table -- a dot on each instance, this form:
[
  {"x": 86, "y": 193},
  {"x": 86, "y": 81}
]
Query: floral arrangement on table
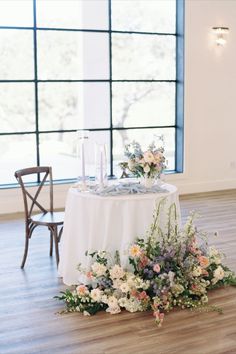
[
  {"x": 170, "y": 268},
  {"x": 149, "y": 164}
]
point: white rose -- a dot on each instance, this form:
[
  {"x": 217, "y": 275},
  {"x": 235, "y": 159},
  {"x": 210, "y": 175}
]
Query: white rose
[
  {"x": 96, "y": 295},
  {"x": 99, "y": 269}
]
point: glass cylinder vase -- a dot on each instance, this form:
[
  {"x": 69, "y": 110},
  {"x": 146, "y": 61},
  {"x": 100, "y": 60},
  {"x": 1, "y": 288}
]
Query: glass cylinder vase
[
  {"x": 147, "y": 182},
  {"x": 101, "y": 165},
  {"x": 82, "y": 153}
]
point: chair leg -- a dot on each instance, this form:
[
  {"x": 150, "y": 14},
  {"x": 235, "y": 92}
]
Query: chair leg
[
  {"x": 26, "y": 251},
  {"x": 55, "y": 235},
  {"x": 51, "y": 243},
  {"x": 60, "y": 233}
]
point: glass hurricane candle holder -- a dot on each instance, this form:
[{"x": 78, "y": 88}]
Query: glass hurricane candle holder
[
  {"x": 82, "y": 153},
  {"x": 101, "y": 165}
]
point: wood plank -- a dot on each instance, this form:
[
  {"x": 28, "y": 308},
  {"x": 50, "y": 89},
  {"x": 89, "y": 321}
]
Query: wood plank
[{"x": 29, "y": 319}]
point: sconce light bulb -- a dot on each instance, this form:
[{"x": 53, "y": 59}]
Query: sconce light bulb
[{"x": 220, "y": 41}]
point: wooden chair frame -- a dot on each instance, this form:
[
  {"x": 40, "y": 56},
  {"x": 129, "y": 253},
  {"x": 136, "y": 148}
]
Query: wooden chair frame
[{"x": 47, "y": 218}]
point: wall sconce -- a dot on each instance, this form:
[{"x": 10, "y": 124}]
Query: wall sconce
[{"x": 220, "y": 33}]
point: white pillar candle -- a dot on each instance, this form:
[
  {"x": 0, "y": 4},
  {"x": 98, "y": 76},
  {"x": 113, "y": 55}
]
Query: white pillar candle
[
  {"x": 82, "y": 163},
  {"x": 101, "y": 166}
]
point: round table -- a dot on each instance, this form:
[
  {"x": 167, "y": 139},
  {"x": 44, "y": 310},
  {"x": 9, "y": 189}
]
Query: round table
[{"x": 108, "y": 223}]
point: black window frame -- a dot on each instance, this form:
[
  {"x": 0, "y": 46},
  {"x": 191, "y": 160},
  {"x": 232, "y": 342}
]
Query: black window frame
[{"x": 179, "y": 84}]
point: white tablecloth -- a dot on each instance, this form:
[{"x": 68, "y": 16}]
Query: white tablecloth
[{"x": 106, "y": 223}]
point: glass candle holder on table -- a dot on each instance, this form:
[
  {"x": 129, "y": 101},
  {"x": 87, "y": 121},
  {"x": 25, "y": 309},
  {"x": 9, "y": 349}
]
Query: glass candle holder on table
[
  {"x": 83, "y": 158},
  {"x": 101, "y": 165}
]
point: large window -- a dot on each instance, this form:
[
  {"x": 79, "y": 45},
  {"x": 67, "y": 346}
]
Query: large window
[{"x": 113, "y": 67}]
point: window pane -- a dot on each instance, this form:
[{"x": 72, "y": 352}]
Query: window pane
[
  {"x": 72, "y": 55},
  {"x": 73, "y": 105},
  {"x": 138, "y": 104},
  {"x": 143, "y": 15},
  {"x": 17, "y": 152},
  {"x": 91, "y": 14},
  {"x": 143, "y": 57},
  {"x": 17, "y": 108},
  {"x": 59, "y": 150},
  {"x": 144, "y": 137},
  {"x": 16, "y": 55},
  {"x": 16, "y": 13}
]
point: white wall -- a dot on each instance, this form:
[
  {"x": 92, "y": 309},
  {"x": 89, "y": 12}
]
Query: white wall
[
  {"x": 210, "y": 106},
  {"x": 210, "y": 98}
]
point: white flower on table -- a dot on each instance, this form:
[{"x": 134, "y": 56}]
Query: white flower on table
[{"x": 148, "y": 157}]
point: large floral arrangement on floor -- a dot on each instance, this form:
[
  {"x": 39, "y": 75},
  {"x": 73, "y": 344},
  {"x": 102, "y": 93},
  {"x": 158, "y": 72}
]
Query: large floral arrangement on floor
[
  {"x": 170, "y": 268},
  {"x": 150, "y": 163}
]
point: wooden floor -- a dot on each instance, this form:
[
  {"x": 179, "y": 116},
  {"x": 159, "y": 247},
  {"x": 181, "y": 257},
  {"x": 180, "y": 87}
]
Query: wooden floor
[{"x": 29, "y": 322}]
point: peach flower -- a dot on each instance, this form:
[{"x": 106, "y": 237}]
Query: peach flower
[
  {"x": 204, "y": 261},
  {"x": 82, "y": 290}
]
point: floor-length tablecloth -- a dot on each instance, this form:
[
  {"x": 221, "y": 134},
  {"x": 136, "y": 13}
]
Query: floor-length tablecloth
[{"x": 108, "y": 223}]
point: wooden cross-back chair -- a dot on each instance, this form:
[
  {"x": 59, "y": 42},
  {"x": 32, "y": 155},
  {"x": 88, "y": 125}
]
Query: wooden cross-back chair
[{"x": 47, "y": 217}]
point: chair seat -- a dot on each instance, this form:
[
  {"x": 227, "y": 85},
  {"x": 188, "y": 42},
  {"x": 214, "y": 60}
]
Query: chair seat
[{"x": 55, "y": 218}]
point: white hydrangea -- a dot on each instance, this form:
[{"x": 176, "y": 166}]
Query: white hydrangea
[
  {"x": 133, "y": 305},
  {"x": 116, "y": 272},
  {"x": 124, "y": 287},
  {"x": 219, "y": 273},
  {"x": 131, "y": 280},
  {"x": 112, "y": 301},
  {"x": 122, "y": 302}
]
